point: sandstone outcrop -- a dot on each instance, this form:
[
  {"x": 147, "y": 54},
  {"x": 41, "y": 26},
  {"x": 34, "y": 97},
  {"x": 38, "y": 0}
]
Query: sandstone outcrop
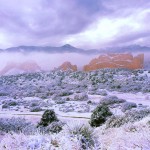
[
  {"x": 17, "y": 68},
  {"x": 116, "y": 61},
  {"x": 67, "y": 66}
]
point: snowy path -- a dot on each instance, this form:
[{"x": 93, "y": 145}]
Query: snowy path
[{"x": 35, "y": 117}]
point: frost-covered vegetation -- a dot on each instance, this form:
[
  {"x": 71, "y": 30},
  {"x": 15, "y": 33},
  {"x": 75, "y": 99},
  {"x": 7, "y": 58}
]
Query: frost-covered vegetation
[
  {"x": 61, "y": 84},
  {"x": 99, "y": 115},
  {"x": 78, "y": 136},
  {"x": 43, "y": 110}
]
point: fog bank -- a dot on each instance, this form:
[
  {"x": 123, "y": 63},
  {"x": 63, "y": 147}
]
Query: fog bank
[{"x": 44, "y": 60}]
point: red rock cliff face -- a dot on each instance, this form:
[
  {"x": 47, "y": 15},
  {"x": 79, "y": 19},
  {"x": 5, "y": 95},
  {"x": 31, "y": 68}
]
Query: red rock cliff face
[
  {"x": 67, "y": 66},
  {"x": 22, "y": 67},
  {"x": 116, "y": 61}
]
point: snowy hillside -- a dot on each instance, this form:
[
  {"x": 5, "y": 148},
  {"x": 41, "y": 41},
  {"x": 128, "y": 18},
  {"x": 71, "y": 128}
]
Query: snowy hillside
[{"x": 80, "y": 101}]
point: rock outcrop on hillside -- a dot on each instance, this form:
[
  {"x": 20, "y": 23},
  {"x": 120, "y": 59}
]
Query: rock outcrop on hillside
[
  {"x": 17, "y": 68},
  {"x": 67, "y": 66},
  {"x": 116, "y": 61}
]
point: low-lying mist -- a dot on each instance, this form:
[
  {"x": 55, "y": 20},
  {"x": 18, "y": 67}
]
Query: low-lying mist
[
  {"x": 44, "y": 60},
  {"x": 49, "y": 61}
]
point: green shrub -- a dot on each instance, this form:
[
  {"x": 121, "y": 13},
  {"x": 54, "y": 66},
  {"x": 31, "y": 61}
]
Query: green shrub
[
  {"x": 99, "y": 115},
  {"x": 48, "y": 117}
]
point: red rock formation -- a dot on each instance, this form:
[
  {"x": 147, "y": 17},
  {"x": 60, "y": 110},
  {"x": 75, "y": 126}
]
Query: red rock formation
[
  {"x": 116, "y": 61},
  {"x": 15, "y": 68},
  {"x": 67, "y": 66}
]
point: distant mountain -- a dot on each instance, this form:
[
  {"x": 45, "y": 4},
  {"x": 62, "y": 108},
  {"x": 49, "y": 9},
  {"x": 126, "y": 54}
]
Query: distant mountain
[
  {"x": 130, "y": 48},
  {"x": 71, "y": 49},
  {"x": 49, "y": 49}
]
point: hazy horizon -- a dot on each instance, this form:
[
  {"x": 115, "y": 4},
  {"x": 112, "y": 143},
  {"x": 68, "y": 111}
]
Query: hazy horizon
[
  {"x": 44, "y": 60},
  {"x": 47, "y": 61}
]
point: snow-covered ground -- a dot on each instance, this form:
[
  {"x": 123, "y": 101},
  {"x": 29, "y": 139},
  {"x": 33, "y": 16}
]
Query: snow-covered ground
[
  {"x": 138, "y": 98},
  {"x": 73, "y": 97}
]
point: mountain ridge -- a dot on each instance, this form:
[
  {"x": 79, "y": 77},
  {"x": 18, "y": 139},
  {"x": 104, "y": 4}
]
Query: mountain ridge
[{"x": 67, "y": 48}]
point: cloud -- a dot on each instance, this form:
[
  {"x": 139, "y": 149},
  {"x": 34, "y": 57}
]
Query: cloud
[
  {"x": 44, "y": 21},
  {"x": 85, "y": 23},
  {"x": 125, "y": 26}
]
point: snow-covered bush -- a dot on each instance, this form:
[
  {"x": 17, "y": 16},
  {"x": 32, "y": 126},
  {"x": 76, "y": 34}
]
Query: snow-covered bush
[
  {"x": 99, "y": 115},
  {"x": 10, "y": 103},
  {"x": 128, "y": 105},
  {"x": 60, "y": 101},
  {"x": 65, "y": 108},
  {"x": 31, "y": 129},
  {"x": 131, "y": 116},
  {"x": 35, "y": 109},
  {"x": 67, "y": 99},
  {"x": 64, "y": 93},
  {"x": 13, "y": 124},
  {"x": 24, "y": 142},
  {"x": 93, "y": 88},
  {"x": 48, "y": 117},
  {"x": 92, "y": 92},
  {"x": 55, "y": 97},
  {"x": 54, "y": 127},
  {"x": 146, "y": 88},
  {"x": 3, "y": 94},
  {"x": 84, "y": 134},
  {"x": 5, "y": 106},
  {"x": 81, "y": 97},
  {"x": 110, "y": 100},
  {"x": 34, "y": 103},
  {"x": 110, "y": 139},
  {"x": 101, "y": 92},
  {"x": 116, "y": 121},
  {"x": 89, "y": 102},
  {"x": 60, "y": 141},
  {"x": 83, "y": 108},
  {"x": 135, "y": 115},
  {"x": 118, "y": 138}
]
